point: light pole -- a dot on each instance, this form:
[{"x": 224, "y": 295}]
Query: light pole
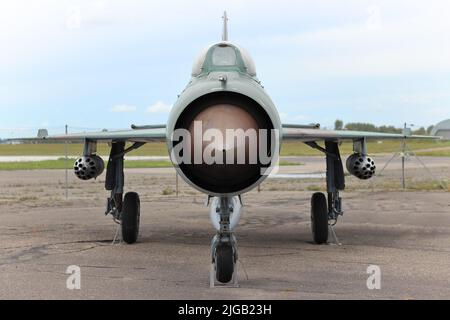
[
  {"x": 406, "y": 132},
  {"x": 67, "y": 163}
]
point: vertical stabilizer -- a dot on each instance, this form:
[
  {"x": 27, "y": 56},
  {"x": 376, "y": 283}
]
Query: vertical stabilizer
[{"x": 225, "y": 27}]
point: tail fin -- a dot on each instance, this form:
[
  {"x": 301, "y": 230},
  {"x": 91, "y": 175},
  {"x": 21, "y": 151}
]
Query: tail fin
[{"x": 225, "y": 27}]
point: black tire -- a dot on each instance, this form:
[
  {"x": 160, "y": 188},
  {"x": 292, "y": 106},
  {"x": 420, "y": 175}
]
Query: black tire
[
  {"x": 319, "y": 218},
  {"x": 224, "y": 263},
  {"x": 130, "y": 217}
]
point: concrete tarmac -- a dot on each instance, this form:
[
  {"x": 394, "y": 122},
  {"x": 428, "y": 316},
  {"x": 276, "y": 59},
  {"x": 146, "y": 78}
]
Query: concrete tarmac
[{"x": 405, "y": 233}]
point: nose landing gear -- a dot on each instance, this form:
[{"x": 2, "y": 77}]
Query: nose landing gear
[{"x": 224, "y": 246}]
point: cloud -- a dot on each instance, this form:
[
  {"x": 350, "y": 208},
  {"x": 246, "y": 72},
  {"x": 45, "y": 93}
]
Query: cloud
[
  {"x": 300, "y": 117},
  {"x": 73, "y": 21},
  {"x": 286, "y": 117},
  {"x": 385, "y": 44},
  {"x": 320, "y": 58},
  {"x": 159, "y": 107},
  {"x": 443, "y": 112},
  {"x": 123, "y": 108},
  {"x": 283, "y": 116}
]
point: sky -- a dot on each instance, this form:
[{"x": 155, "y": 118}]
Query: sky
[{"x": 94, "y": 64}]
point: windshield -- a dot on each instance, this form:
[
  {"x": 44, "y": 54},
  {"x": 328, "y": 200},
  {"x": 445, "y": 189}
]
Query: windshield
[{"x": 224, "y": 56}]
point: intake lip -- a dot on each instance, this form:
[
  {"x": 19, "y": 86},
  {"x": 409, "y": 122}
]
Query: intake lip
[{"x": 224, "y": 110}]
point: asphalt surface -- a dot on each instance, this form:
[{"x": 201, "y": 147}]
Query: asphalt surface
[{"x": 405, "y": 233}]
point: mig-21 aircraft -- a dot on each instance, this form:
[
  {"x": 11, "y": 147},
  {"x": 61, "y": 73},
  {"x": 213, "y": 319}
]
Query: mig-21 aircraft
[{"x": 223, "y": 136}]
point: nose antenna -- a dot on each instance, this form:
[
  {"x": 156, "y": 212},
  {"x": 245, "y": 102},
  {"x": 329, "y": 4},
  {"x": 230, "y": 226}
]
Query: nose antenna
[{"x": 225, "y": 27}]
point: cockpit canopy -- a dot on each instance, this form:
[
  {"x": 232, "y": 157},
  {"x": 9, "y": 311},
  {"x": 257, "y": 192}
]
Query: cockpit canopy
[{"x": 224, "y": 56}]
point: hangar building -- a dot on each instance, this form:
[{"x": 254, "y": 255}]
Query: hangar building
[{"x": 442, "y": 129}]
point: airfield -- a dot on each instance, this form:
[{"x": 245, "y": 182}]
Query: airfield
[{"x": 405, "y": 233}]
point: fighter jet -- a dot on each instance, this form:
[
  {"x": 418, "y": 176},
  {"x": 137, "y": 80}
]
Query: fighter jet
[{"x": 223, "y": 136}]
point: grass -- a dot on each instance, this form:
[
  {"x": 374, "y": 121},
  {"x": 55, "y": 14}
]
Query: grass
[
  {"x": 428, "y": 186},
  {"x": 48, "y": 149},
  {"x": 288, "y": 163},
  {"x": 61, "y": 164},
  {"x": 315, "y": 188},
  {"x": 434, "y": 153},
  {"x": 147, "y": 164},
  {"x": 168, "y": 191},
  {"x": 391, "y": 185},
  {"x": 35, "y": 165},
  {"x": 289, "y": 148}
]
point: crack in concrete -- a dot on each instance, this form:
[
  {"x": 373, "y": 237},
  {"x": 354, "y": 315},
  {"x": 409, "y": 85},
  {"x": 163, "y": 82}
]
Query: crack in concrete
[{"x": 38, "y": 252}]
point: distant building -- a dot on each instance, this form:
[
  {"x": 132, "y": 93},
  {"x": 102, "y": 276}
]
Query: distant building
[{"x": 442, "y": 129}]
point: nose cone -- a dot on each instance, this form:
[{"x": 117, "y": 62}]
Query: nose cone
[{"x": 220, "y": 118}]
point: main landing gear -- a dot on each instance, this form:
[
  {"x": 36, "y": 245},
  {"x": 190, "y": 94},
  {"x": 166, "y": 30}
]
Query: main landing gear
[
  {"x": 325, "y": 210},
  {"x": 124, "y": 210},
  {"x": 319, "y": 218},
  {"x": 130, "y": 217}
]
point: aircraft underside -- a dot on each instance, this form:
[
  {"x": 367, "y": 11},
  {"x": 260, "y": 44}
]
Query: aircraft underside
[{"x": 225, "y": 210}]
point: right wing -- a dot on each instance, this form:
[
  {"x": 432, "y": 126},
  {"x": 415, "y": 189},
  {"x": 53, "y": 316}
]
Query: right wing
[{"x": 139, "y": 134}]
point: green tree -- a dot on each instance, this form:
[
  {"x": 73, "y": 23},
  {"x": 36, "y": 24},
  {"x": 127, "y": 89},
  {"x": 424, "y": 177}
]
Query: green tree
[
  {"x": 359, "y": 126},
  {"x": 338, "y": 124},
  {"x": 389, "y": 129},
  {"x": 420, "y": 131}
]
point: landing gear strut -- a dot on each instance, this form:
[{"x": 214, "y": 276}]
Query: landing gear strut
[
  {"x": 224, "y": 247},
  {"x": 124, "y": 210},
  {"x": 326, "y": 210}
]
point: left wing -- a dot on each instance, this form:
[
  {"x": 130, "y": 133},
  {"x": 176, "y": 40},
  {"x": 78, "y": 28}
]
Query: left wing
[{"x": 292, "y": 132}]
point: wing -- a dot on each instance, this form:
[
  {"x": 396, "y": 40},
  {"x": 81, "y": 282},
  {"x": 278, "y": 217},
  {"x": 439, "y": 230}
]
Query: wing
[
  {"x": 291, "y": 132},
  {"x": 138, "y": 134}
]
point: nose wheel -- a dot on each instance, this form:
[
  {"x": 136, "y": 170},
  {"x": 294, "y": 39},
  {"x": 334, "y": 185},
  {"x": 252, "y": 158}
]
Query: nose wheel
[
  {"x": 224, "y": 249},
  {"x": 224, "y": 262}
]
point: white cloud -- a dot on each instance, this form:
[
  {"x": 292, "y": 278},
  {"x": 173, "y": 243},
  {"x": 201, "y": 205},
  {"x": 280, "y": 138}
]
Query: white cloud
[
  {"x": 285, "y": 117},
  {"x": 123, "y": 108},
  {"x": 326, "y": 43},
  {"x": 443, "y": 112},
  {"x": 349, "y": 37},
  {"x": 159, "y": 107},
  {"x": 73, "y": 21},
  {"x": 300, "y": 117},
  {"x": 386, "y": 44},
  {"x": 374, "y": 21}
]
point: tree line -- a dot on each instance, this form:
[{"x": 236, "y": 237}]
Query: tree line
[{"x": 362, "y": 126}]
